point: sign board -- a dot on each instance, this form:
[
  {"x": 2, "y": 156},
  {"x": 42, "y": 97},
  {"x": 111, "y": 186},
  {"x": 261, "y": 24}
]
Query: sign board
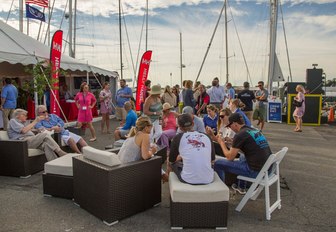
[{"x": 274, "y": 110}]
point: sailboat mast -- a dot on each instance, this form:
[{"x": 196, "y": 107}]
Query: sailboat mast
[
  {"x": 70, "y": 29},
  {"x": 226, "y": 44},
  {"x": 75, "y": 30},
  {"x": 21, "y": 15},
  {"x": 273, "y": 32},
  {"x": 146, "y": 24},
  {"x": 181, "y": 65},
  {"x": 120, "y": 40}
]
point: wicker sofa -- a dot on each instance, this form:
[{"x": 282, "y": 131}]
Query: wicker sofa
[
  {"x": 112, "y": 193},
  {"x": 17, "y": 160}
]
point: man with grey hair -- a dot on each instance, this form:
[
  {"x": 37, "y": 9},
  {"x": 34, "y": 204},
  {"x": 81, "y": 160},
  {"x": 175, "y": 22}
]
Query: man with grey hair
[
  {"x": 131, "y": 118},
  {"x": 191, "y": 154},
  {"x": 20, "y": 129},
  {"x": 52, "y": 122},
  {"x": 198, "y": 122}
]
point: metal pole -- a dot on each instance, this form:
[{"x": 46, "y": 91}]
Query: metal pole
[
  {"x": 70, "y": 29},
  {"x": 120, "y": 40},
  {"x": 75, "y": 30},
  {"x": 181, "y": 57},
  {"x": 226, "y": 44},
  {"x": 21, "y": 15},
  {"x": 146, "y": 24}
]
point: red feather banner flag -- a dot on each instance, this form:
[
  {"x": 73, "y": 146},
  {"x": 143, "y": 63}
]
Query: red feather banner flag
[{"x": 142, "y": 77}]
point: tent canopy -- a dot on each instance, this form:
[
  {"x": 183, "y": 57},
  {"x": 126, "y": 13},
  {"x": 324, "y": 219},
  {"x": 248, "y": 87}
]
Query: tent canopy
[{"x": 18, "y": 50}]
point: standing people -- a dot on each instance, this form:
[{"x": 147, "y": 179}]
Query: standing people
[
  {"x": 216, "y": 93},
  {"x": 176, "y": 92},
  {"x": 247, "y": 97},
  {"x": 105, "y": 98},
  {"x": 188, "y": 95},
  {"x": 153, "y": 109},
  {"x": 260, "y": 113},
  {"x": 123, "y": 95},
  {"x": 299, "y": 110},
  {"x": 202, "y": 101},
  {"x": 191, "y": 154},
  {"x": 168, "y": 96},
  {"x": 20, "y": 129},
  {"x": 9, "y": 97},
  {"x": 230, "y": 91},
  {"x": 85, "y": 101}
]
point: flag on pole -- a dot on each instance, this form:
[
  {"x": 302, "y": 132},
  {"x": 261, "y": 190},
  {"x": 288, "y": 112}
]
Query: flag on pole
[
  {"x": 55, "y": 59},
  {"x": 43, "y": 3},
  {"x": 33, "y": 13},
  {"x": 142, "y": 77}
]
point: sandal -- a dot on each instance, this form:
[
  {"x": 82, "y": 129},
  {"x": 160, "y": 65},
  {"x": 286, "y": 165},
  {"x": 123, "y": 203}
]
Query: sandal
[{"x": 93, "y": 139}]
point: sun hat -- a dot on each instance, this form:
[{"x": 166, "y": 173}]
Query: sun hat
[
  {"x": 166, "y": 106},
  {"x": 156, "y": 89}
]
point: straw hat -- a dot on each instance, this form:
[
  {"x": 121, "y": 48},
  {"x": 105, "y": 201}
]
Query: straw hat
[
  {"x": 166, "y": 106},
  {"x": 156, "y": 89}
]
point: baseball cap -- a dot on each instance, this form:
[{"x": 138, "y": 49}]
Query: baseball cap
[
  {"x": 235, "y": 117},
  {"x": 185, "y": 120},
  {"x": 187, "y": 110}
]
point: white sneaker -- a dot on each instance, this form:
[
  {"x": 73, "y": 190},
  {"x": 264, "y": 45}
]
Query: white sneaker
[{"x": 238, "y": 189}]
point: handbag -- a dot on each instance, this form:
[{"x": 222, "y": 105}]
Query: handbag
[{"x": 297, "y": 103}]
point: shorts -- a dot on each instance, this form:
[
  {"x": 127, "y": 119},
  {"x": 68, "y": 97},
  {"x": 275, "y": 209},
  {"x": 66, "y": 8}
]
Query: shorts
[
  {"x": 120, "y": 113},
  {"x": 123, "y": 133},
  {"x": 260, "y": 113}
]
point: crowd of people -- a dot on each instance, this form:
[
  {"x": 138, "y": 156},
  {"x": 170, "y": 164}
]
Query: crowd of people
[{"x": 193, "y": 122}]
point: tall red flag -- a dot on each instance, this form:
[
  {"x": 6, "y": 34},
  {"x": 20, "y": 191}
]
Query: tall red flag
[
  {"x": 142, "y": 77},
  {"x": 55, "y": 61}
]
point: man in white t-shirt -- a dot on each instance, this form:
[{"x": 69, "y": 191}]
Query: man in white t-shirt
[{"x": 191, "y": 154}]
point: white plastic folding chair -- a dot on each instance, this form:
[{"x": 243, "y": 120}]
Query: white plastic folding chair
[{"x": 264, "y": 180}]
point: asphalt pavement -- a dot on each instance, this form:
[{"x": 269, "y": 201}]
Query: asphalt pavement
[{"x": 308, "y": 193}]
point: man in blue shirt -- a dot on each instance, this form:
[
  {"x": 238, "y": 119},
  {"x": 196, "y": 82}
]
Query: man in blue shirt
[
  {"x": 9, "y": 96},
  {"x": 230, "y": 90},
  {"x": 123, "y": 95},
  {"x": 55, "y": 123},
  {"x": 131, "y": 118}
]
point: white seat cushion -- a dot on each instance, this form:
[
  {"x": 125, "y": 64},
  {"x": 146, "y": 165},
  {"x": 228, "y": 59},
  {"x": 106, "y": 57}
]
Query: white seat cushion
[
  {"x": 60, "y": 166},
  {"x": 216, "y": 191},
  {"x": 100, "y": 156},
  {"x": 34, "y": 152},
  {"x": 119, "y": 143},
  {"x": 3, "y": 135}
]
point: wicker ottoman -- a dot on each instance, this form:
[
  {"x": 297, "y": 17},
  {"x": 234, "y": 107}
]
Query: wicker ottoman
[
  {"x": 58, "y": 177},
  {"x": 198, "y": 206}
]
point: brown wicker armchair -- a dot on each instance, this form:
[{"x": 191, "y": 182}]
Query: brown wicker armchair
[
  {"x": 17, "y": 160},
  {"x": 113, "y": 193}
]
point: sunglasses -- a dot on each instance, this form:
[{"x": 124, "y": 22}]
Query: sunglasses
[
  {"x": 222, "y": 116},
  {"x": 43, "y": 112}
]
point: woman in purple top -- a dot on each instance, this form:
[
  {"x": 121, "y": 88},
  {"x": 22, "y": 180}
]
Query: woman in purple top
[
  {"x": 299, "y": 111},
  {"x": 85, "y": 101}
]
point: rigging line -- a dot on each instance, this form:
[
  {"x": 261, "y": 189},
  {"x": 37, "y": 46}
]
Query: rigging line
[
  {"x": 137, "y": 59},
  {"x": 128, "y": 41},
  {"x": 63, "y": 16},
  {"x": 284, "y": 30},
  {"x": 39, "y": 32},
  {"x": 10, "y": 9},
  {"x": 49, "y": 20},
  {"x": 212, "y": 37},
  {"x": 241, "y": 47}
]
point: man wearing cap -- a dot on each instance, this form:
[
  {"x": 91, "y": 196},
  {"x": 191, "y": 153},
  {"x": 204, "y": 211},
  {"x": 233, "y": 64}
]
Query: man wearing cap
[
  {"x": 260, "y": 113},
  {"x": 248, "y": 140},
  {"x": 121, "y": 132},
  {"x": 191, "y": 154},
  {"x": 247, "y": 97},
  {"x": 123, "y": 95},
  {"x": 198, "y": 122}
]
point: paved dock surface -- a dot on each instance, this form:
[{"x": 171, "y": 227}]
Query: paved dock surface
[{"x": 308, "y": 193}]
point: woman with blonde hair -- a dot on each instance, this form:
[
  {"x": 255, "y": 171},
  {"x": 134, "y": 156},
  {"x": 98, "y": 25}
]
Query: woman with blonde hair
[
  {"x": 210, "y": 120},
  {"x": 299, "y": 107},
  {"x": 137, "y": 145},
  {"x": 235, "y": 105},
  {"x": 168, "y": 96},
  {"x": 225, "y": 132}
]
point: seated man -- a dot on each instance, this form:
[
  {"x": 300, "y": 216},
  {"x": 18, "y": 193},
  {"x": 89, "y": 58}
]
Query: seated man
[
  {"x": 248, "y": 140},
  {"x": 198, "y": 122},
  {"x": 20, "y": 129},
  {"x": 55, "y": 123},
  {"x": 191, "y": 154},
  {"x": 131, "y": 118}
]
